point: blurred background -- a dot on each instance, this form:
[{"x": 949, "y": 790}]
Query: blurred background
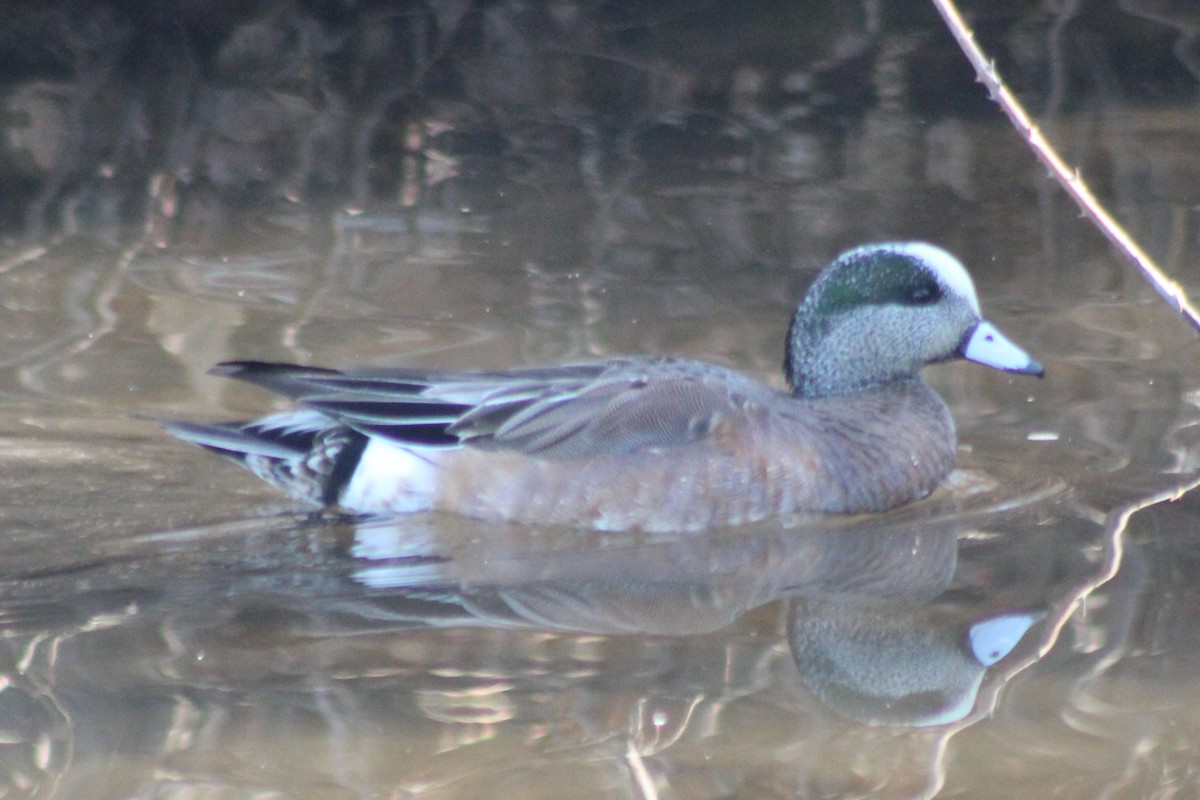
[
  {"x": 188, "y": 122},
  {"x": 471, "y": 184}
]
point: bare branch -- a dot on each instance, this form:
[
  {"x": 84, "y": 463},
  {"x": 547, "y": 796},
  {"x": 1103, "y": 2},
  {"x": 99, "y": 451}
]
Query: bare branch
[{"x": 1067, "y": 177}]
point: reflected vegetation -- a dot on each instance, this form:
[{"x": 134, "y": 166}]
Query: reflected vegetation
[{"x": 472, "y": 185}]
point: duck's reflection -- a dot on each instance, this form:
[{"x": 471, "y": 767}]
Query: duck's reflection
[
  {"x": 887, "y": 664},
  {"x": 872, "y": 631},
  {"x": 478, "y": 644},
  {"x": 866, "y": 632}
]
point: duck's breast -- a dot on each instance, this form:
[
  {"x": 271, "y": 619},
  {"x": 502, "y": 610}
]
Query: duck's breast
[{"x": 764, "y": 456}]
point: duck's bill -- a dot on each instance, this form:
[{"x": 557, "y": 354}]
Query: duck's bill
[{"x": 985, "y": 344}]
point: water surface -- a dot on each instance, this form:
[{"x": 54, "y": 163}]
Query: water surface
[{"x": 172, "y": 628}]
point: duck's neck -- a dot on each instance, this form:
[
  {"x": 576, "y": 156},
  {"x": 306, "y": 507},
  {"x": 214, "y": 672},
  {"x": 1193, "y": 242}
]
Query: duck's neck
[
  {"x": 837, "y": 374},
  {"x": 838, "y": 362},
  {"x": 883, "y": 448},
  {"x": 810, "y": 389}
]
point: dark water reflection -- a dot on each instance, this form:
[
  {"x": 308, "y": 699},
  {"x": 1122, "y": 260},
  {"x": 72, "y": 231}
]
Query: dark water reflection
[
  {"x": 169, "y": 628},
  {"x": 475, "y": 654}
]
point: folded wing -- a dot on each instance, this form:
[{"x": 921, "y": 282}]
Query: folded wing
[{"x": 572, "y": 411}]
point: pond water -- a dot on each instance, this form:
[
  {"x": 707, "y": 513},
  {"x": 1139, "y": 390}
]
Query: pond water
[{"x": 170, "y": 627}]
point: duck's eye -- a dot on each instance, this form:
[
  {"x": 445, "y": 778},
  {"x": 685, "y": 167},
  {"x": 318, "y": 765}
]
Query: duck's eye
[{"x": 924, "y": 295}]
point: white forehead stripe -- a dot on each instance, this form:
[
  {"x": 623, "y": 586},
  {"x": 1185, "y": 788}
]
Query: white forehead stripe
[{"x": 948, "y": 269}]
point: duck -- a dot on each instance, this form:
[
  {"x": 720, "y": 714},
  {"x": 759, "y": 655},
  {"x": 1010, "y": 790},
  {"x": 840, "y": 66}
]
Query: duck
[
  {"x": 659, "y": 444},
  {"x": 892, "y": 663}
]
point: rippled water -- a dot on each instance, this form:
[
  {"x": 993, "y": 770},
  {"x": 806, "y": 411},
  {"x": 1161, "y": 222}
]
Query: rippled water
[
  {"x": 172, "y": 628},
  {"x": 175, "y": 629}
]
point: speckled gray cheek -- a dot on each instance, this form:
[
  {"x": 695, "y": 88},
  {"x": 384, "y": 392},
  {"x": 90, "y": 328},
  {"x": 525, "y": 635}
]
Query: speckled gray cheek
[
  {"x": 873, "y": 344},
  {"x": 883, "y": 350}
]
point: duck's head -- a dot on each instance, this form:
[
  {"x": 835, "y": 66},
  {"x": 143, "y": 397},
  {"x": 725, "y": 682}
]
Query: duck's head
[{"x": 881, "y": 312}]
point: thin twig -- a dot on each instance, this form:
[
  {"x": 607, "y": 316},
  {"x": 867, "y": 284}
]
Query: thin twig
[
  {"x": 1067, "y": 177},
  {"x": 1116, "y": 528},
  {"x": 641, "y": 776}
]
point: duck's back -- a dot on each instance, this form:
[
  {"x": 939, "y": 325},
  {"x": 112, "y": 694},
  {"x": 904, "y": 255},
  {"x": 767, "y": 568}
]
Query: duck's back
[{"x": 711, "y": 448}]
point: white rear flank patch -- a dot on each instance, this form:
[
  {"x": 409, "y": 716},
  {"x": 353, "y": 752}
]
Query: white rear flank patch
[{"x": 391, "y": 478}]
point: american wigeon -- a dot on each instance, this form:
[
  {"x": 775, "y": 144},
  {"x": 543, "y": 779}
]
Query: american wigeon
[
  {"x": 892, "y": 664},
  {"x": 647, "y": 443}
]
